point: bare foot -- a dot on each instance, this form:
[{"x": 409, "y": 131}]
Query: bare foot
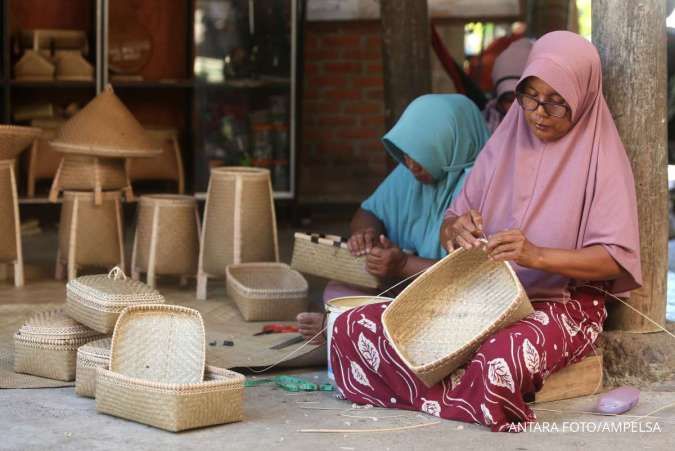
[{"x": 310, "y": 324}]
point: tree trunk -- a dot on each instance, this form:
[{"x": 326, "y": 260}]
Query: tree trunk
[
  {"x": 405, "y": 54},
  {"x": 632, "y": 45}
]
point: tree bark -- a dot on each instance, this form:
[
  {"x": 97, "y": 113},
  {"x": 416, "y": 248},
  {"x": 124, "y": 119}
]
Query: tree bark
[
  {"x": 406, "y": 41},
  {"x": 632, "y": 46}
]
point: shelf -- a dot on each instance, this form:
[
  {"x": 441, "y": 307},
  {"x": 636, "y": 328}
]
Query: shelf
[
  {"x": 245, "y": 83},
  {"x": 153, "y": 84},
  {"x": 52, "y": 84}
]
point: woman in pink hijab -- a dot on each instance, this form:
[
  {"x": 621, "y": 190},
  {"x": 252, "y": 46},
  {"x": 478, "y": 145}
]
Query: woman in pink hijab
[
  {"x": 553, "y": 193},
  {"x": 506, "y": 72}
]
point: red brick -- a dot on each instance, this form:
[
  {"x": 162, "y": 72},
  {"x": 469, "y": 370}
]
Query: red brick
[
  {"x": 372, "y": 121},
  {"x": 318, "y": 107},
  {"x": 368, "y": 81},
  {"x": 341, "y": 40},
  {"x": 337, "y": 121},
  {"x": 316, "y": 55},
  {"x": 358, "y": 133},
  {"x": 374, "y": 41},
  {"x": 311, "y": 93},
  {"x": 318, "y": 134},
  {"x": 312, "y": 41},
  {"x": 367, "y": 54},
  {"x": 322, "y": 81},
  {"x": 311, "y": 69},
  {"x": 343, "y": 67},
  {"x": 364, "y": 108},
  {"x": 335, "y": 147},
  {"x": 374, "y": 68},
  {"x": 374, "y": 94},
  {"x": 343, "y": 94}
]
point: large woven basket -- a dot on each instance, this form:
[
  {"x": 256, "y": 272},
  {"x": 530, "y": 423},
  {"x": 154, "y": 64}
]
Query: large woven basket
[
  {"x": 173, "y": 407},
  {"x": 105, "y": 128},
  {"x": 33, "y": 66},
  {"x": 159, "y": 343},
  {"x": 441, "y": 318},
  {"x": 167, "y": 235},
  {"x": 95, "y": 354},
  {"x": 15, "y": 139},
  {"x": 166, "y": 166},
  {"x": 71, "y": 66},
  {"x": 46, "y": 345},
  {"x": 87, "y": 173},
  {"x": 97, "y": 301},
  {"x": 267, "y": 291},
  {"x": 328, "y": 256}
]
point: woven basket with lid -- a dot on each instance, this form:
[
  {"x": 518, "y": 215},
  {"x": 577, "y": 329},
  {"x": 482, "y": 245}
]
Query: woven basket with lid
[
  {"x": 97, "y": 301},
  {"x": 267, "y": 291},
  {"x": 440, "y": 319},
  {"x": 95, "y": 354},
  {"x": 46, "y": 345}
]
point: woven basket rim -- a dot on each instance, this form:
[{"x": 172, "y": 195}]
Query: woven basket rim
[
  {"x": 444, "y": 261},
  {"x": 323, "y": 238},
  {"x": 378, "y": 298},
  {"x": 45, "y": 334},
  {"x": 235, "y": 380},
  {"x": 95, "y": 348},
  {"x": 173, "y": 200},
  {"x": 88, "y": 195},
  {"x": 160, "y": 309},
  {"x": 85, "y": 287},
  {"x": 239, "y": 171},
  {"x": 103, "y": 151},
  {"x": 299, "y": 291}
]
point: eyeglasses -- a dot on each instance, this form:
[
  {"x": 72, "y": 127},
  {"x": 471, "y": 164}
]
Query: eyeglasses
[{"x": 530, "y": 103}]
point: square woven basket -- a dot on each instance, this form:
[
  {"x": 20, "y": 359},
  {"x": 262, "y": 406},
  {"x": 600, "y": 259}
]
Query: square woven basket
[
  {"x": 46, "y": 345},
  {"x": 97, "y": 301},
  {"x": 328, "y": 256},
  {"x": 267, "y": 291},
  {"x": 173, "y": 407},
  {"x": 95, "y": 354},
  {"x": 440, "y": 319}
]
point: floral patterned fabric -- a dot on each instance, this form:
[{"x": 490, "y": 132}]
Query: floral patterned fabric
[{"x": 491, "y": 389}]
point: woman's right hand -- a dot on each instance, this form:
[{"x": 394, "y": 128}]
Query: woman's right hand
[
  {"x": 463, "y": 231},
  {"x": 361, "y": 242}
]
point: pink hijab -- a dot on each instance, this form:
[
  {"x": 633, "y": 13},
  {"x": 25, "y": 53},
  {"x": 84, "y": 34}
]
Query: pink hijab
[{"x": 572, "y": 193}]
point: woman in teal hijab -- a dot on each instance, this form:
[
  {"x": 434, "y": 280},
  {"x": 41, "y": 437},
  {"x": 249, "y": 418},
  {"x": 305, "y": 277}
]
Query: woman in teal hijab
[{"x": 435, "y": 142}]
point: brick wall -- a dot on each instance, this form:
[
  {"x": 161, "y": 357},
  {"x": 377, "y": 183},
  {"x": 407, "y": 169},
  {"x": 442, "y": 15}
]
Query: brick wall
[{"x": 342, "y": 159}]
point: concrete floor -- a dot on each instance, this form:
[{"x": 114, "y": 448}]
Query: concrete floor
[{"x": 58, "y": 419}]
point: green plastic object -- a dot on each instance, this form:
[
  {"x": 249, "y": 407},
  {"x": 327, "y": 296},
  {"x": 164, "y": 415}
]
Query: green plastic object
[{"x": 256, "y": 382}]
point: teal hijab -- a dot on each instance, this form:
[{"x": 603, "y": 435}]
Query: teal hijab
[{"x": 443, "y": 133}]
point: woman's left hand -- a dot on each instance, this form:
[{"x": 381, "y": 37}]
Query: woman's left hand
[
  {"x": 512, "y": 245},
  {"x": 387, "y": 260}
]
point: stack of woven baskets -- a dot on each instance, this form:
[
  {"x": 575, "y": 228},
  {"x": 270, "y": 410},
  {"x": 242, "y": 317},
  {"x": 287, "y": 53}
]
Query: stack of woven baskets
[{"x": 151, "y": 370}]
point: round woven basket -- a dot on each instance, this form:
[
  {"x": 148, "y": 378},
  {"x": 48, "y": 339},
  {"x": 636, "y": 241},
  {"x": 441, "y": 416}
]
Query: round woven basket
[
  {"x": 441, "y": 318},
  {"x": 167, "y": 225},
  {"x": 85, "y": 173},
  {"x": 92, "y": 229},
  {"x": 105, "y": 128},
  {"x": 239, "y": 219},
  {"x": 15, "y": 139}
]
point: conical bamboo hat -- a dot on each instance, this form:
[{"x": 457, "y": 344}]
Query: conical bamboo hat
[
  {"x": 14, "y": 139},
  {"x": 105, "y": 128}
]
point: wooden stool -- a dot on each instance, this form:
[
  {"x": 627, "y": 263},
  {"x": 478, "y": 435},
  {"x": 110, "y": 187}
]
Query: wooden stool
[
  {"x": 90, "y": 234},
  {"x": 239, "y": 222},
  {"x": 167, "y": 237},
  {"x": 580, "y": 379},
  {"x": 10, "y": 224}
]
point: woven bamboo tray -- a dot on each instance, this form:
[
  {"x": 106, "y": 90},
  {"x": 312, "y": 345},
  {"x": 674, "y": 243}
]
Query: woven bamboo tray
[
  {"x": 89, "y": 357},
  {"x": 46, "y": 345},
  {"x": 441, "y": 318},
  {"x": 267, "y": 291},
  {"x": 328, "y": 256},
  {"x": 97, "y": 301},
  {"x": 173, "y": 407},
  {"x": 159, "y": 343}
]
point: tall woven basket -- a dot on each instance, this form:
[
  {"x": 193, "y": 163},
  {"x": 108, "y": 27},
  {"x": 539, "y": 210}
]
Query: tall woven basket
[
  {"x": 440, "y": 319},
  {"x": 239, "y": 222}
]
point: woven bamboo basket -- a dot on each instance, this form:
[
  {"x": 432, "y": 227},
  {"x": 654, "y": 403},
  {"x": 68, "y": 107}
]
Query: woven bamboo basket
[
  {"x": 43, "y": 161},
  {"x": 267, "y": 291},
  {"x": 97, "y": 301},
  {"x": 87, "y": 173},
  {"x": 105, "y": 128},
  {"x": 173, "y": 407},
  {"x": 46, "y": 345},
  {"x": 166, "y": 166},
  {"x": 159, "y": 343},
  {"x": 34, "y": 66},
  {"x": 239, "y": 222},
  {"x": 71, "y": 66},
  {"x": 15, "y": 139},
  {"x": 95, "y": 354},
  {"x": 90, "y": 234},
  {"x": 440, "y": 319},
  {"x": 328, "y": 256},
  {"x": 167, "y": 236}
]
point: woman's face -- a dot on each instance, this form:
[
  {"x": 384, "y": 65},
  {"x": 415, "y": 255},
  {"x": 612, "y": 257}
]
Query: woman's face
[
  {"x": 418, "y": 171},
  {"x": 544, "y": 125}
]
